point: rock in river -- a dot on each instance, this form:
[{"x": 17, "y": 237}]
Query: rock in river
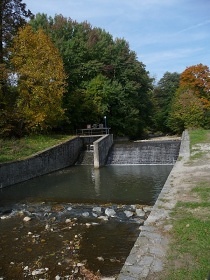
[{"x": 110, "y": 212}]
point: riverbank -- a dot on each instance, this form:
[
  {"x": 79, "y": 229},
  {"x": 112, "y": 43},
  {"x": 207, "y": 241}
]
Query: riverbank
[
  {"x": 188, "y": 252},
  {"x": 164, "y": 248}
]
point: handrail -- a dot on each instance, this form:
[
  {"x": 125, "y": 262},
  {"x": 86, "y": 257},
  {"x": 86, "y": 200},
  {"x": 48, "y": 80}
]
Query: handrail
[{"x": 93, "y": 131}]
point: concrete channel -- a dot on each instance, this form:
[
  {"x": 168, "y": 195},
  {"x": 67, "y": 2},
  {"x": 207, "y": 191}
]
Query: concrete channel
[{"x": 147, "y": 255}]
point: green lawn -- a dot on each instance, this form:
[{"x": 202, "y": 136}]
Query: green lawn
[
  {"x": 198, "y": 136},
  {"x": 15, "y": 149},
  {"x": 190, "y": 248}
]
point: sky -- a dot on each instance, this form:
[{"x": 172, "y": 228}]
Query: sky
[{"x": 166, "y": 35}]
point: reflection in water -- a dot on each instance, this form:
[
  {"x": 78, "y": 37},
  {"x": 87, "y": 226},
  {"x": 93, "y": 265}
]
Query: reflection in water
[
  {"x": 84, "y": 184},
  {"x": 96, "y": 180}
]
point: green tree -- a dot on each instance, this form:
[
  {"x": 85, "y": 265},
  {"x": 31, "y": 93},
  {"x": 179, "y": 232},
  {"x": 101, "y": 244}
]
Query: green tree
[
  {"x": 13, "y": 14},
  {"x": 40, "y": 80},
  {"x": 163, "y": 95},
  {"x": 96, "y": 63},
  {"x": 186, "y": 112}
]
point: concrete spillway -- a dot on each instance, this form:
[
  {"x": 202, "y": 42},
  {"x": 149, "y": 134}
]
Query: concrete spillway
[
  {"x": 85, "y": 158},
  {"x": 148, "y": 152}
]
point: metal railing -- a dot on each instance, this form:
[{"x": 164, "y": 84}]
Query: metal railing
[{"x": 93, "y": 131}]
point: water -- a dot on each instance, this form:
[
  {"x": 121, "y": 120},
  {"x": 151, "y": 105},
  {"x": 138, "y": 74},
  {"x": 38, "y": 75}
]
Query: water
[
  {"x": 86, "y": 244},
  {"x": 84, "y": 184}
]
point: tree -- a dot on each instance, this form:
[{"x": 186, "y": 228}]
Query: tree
[
  {"x": 197, "y": 78},
  {"x": 186, "y": 112},
  {"x": 40, "y": 80},
  {"x": 104, "y": 76},
  {"x": 163, "y": 95},
  {"x": 13, "y": 15}
]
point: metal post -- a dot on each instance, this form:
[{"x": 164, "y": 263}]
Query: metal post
[{"x": 105, "y": 124}]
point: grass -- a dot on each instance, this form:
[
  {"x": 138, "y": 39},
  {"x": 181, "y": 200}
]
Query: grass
[
  {"x": 190, "y": 248},
  {"x": 203, "y": 190},
  {"x": 189, "y": 251},
  {"x": 198, "y": 136},
  {"x": 16, "y": 149}
]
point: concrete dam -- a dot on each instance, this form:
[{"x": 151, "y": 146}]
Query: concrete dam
[
  {"x": 138, "y": 153},
  {"x": 104, "y": 152}
]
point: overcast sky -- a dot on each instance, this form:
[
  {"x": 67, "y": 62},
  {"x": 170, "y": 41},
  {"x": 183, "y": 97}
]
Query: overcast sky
[{"x": 167, "y": 35}]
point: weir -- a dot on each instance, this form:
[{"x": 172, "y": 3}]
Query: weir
[
  {"x": 137, "y": 153},
  {"x": 148, "y": 152}
]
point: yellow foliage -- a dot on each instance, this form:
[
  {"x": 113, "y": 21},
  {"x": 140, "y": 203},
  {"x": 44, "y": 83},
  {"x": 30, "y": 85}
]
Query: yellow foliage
[{"x": 41, "y": 79}]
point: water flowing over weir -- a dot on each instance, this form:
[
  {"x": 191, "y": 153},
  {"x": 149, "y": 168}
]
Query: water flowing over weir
[
  {"x": 137, "y": 153},
  {"x": 148, "y": 152},
  {"x": 82, "y": 219}
]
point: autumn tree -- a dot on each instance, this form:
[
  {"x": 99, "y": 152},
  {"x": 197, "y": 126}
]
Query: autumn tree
[
  {"x": 197, "y": 78},
  {"x": 191, "y": 106},
  {"x": 40, "y": 79}
]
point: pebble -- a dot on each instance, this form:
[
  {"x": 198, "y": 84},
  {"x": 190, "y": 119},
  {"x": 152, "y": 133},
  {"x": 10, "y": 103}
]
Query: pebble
[
  {"x": 103, "y": 218},
  {"x": 128, "y": 213},
  {"x": 80, "y": 264},
  {"x": 85, "y": 214},
  {"x": 147, "y": 209},
  {"x": 140, "y": 213},
  {"x": 88, "y": 225},
  {"x": 97, "y": 209},
  {"x": 94, "y": 224},
  {"x": 26, "y": 219},
  {"x": 47, "y": 227},
  {"x": 110, "y": 212},
  {"x": 38, "y": 271},
  {"x": 4, "y": 217}
]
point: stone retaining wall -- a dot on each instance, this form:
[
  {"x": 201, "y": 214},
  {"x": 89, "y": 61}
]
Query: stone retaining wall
[
  {"x": 101, "y": 149},
  {"x": 50, "y": 160}
]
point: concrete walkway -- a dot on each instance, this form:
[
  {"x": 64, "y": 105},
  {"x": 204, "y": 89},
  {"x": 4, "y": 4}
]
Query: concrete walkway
[{"x": 147, "y": 256}]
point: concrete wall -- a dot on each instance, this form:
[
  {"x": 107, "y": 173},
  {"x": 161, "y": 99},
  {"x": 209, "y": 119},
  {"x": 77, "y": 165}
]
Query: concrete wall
[
  {"x": 52, "y": 159},
  {"x": 101, "y": 149}
]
